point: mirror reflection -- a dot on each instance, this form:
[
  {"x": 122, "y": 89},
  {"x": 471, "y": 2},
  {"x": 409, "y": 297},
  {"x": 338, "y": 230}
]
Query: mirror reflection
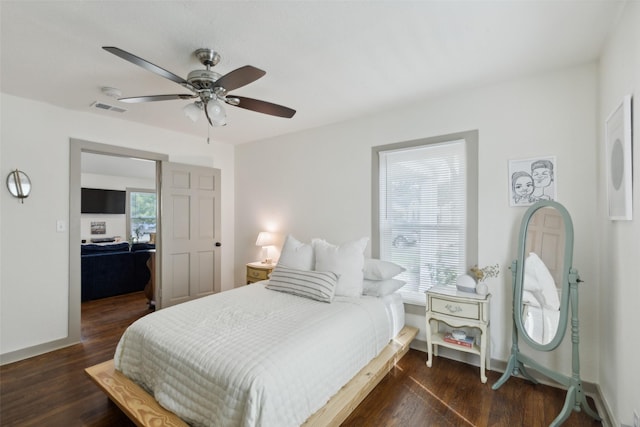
[{"x": 543, "y": 274}]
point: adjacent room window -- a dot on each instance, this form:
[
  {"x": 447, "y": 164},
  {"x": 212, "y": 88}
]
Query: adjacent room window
[
  {"x": 425, "y": 209},
  {"x": 142, "y": 209}
]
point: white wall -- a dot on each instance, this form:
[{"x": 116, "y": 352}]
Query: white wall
[
  {"x": 34, "y": 258},
  {"x": 619, "y": 241},
  {"x": 116, "y": 225},
  {"x": 318, "y": 183}
]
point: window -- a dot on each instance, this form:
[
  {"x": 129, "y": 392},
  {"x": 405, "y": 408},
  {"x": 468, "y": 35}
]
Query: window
[
  {"x": 141, "y": 221},
  {"x": 425, "y": 209}
]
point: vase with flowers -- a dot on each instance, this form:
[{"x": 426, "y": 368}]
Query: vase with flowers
[{"x": 481, "y": 274}]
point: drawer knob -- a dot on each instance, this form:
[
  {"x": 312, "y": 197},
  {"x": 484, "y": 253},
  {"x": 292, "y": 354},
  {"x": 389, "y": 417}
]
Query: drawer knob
[{"x": 453, "y": 308}]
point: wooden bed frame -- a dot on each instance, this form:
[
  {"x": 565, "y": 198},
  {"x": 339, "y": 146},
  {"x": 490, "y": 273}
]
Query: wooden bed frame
[{"x": 144, "y": 411}]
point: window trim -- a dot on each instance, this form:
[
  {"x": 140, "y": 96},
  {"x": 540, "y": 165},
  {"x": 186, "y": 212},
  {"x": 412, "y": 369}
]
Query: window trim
[{"x": 471, "y": 224}]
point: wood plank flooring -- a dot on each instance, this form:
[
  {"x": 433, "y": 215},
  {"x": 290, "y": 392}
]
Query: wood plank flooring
[{"x": 53, "y": 390}]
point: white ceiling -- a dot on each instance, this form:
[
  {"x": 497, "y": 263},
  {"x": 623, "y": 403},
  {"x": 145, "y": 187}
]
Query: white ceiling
[{"x": 329, "y": 60}]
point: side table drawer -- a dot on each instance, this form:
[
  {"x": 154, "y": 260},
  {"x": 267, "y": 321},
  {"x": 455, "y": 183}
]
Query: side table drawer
[
  {"x": 257, "y": 271},
  {"x": 455, "y": 308},
  {"x": 254, "y": 273}
]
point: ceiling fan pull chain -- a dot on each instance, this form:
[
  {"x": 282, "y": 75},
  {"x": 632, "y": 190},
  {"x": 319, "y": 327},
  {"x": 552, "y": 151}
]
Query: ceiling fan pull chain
[{"x": 208, "y": 133}]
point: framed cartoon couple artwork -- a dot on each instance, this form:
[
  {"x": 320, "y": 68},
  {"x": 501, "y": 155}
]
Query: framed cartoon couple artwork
[{"x": 532, "y": 180}]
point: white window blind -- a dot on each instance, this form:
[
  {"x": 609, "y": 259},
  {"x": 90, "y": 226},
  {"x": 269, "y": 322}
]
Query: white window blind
[{"x": 422, "y": 214}]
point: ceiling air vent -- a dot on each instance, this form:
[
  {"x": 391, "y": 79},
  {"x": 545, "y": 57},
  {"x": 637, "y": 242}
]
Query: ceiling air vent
[{"x": 102, "y": 106}]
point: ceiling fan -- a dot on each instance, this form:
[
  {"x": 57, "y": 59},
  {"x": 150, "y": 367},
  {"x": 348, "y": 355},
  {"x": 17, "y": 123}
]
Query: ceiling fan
[{"x": 208, "y": 88}]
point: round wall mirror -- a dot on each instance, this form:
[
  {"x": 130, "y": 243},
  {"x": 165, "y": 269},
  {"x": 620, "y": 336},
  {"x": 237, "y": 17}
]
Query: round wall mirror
[
  {"x": 542, "y": 286},
  {"x": 19, "y": 184}
]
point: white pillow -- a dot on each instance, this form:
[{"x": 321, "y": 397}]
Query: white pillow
[
  {"x": 381, "y": 288},
  {"x": 346, "y": 260},
  {"x": 296, "y": 254},
  {"x": 376, "y": 269},
  {"x": 317, "y": 285}
]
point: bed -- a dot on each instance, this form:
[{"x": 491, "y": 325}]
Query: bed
[
  {"x": 270, "y": 359},
  {"x": 304, "y": 347}
]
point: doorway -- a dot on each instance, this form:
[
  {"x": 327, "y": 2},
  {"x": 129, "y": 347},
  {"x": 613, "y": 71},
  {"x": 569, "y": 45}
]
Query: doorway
[{"x": 77, "y": 148}]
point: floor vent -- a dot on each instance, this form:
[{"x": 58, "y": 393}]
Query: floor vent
[{"x": 102, "y": 106}]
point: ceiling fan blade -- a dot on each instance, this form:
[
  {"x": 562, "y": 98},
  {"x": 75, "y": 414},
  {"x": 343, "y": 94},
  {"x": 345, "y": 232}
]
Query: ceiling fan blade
[
  {"x": 151, "y": 98},
  {"x": 145, "y": 64},
  {"x": 262, "y": 106},
  {"x": 240, "y": 77}
]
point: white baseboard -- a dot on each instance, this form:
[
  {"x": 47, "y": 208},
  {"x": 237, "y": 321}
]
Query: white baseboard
[{"x": 36, "y": 350}]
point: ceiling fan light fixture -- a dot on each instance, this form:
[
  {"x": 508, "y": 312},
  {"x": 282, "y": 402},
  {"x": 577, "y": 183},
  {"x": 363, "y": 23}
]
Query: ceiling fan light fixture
[
  {"x": 192, "y": 111},
  {"x": 209, "y": 87},
  {"x": 216, "y": 112}
]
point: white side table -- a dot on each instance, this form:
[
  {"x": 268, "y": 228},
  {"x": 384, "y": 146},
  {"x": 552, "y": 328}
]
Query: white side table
[{"x": 457, "y": 309}]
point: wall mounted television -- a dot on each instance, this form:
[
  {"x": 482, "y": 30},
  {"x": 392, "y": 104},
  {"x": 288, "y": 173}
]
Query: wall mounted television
[{"x": 98, "y": 201}]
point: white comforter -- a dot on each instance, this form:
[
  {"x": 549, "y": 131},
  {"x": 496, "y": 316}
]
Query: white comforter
[{"x": 252, "y": 356}]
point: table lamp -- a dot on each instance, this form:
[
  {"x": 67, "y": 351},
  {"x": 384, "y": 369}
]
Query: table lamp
[{"x": 265, "y": 239}]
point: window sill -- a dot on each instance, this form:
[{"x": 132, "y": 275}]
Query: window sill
[
  {"x": 414, "y": 298},
  {"x": 415, "y": 304}
]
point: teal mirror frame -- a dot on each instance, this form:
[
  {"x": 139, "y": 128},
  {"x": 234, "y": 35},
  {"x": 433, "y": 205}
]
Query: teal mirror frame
[
  {"x": 569, "y": 275},
  {"x": 518, "y": 362}
]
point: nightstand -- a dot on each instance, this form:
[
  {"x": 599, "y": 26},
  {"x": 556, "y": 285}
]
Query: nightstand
[
  {"x": 257, "y": 271},
  {"x": 457, "y": 310}
]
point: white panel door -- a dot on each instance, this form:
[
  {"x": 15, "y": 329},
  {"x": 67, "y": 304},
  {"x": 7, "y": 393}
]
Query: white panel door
[{"x": 190, "y": 232}]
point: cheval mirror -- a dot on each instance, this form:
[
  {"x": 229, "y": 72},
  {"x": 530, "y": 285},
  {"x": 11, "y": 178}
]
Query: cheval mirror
[{"x": 545, "y": 289}]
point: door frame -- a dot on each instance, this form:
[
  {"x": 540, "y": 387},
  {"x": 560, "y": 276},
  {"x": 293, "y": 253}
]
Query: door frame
[{"x": 76, "y": 148}]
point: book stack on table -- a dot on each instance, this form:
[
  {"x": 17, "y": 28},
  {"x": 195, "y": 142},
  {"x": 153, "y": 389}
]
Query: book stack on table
[{"x": 465, "y": 341}]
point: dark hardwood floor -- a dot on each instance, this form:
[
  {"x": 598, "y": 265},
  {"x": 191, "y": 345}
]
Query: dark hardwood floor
[{"x": 53, "y": 390}]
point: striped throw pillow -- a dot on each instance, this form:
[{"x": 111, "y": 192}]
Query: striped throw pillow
[{"x": 317, "y": 285}]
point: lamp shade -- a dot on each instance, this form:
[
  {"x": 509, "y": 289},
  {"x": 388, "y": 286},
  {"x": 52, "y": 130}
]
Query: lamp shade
[
  {"x": 264, "y": 239},
  {"x": 216, "y": 113},
  {"x": 192, "y": 111}
]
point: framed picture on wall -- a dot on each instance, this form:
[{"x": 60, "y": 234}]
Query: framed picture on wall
[
  {"x": 618, "y": 158},
  {"x": 531, "y": 180},
  {"x": 98, "y": 227}
]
